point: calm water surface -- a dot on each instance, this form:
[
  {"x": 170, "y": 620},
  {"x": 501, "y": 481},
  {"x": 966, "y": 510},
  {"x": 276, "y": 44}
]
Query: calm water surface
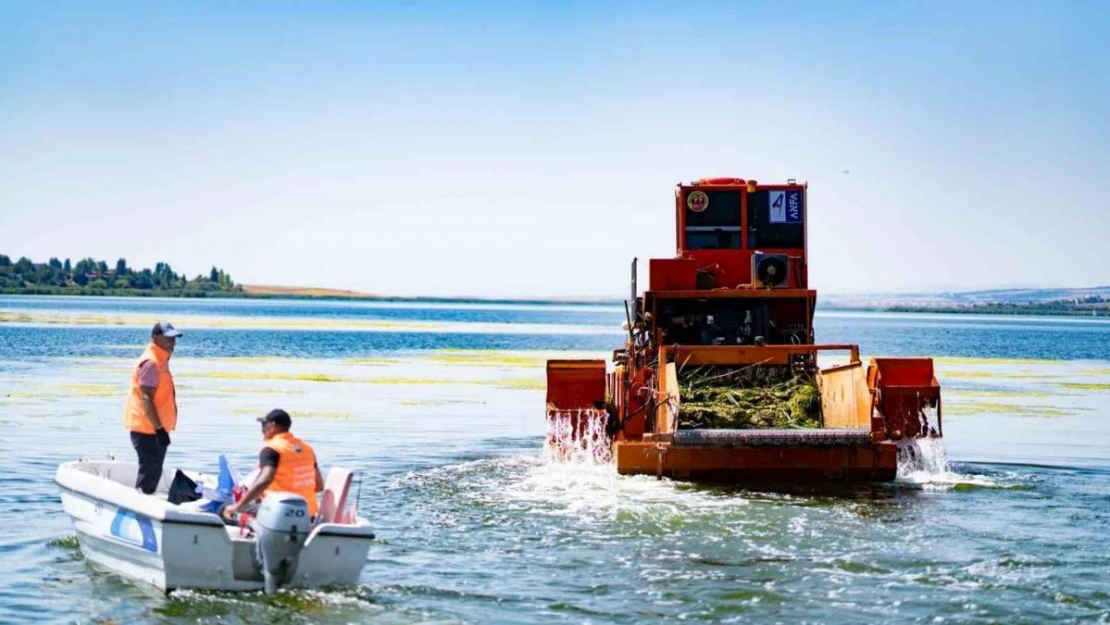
[{"x": 439, "y": 408}]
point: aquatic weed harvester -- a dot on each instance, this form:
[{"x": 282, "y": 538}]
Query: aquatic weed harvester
[{"x": 718, "y": 378}]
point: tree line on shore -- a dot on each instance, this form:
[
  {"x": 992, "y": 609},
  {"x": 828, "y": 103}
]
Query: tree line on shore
[
  {"x": 96, "y": 277},
  {"x": 1091, "y": 306}
]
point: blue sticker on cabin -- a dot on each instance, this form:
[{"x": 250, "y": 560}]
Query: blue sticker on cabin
[
  {"x": 126, "y": 522},
  {"x": 785, "y": 207}
]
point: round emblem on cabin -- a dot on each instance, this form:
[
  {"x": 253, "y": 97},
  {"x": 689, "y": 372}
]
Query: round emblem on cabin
[{"x": 697, "y": 201}]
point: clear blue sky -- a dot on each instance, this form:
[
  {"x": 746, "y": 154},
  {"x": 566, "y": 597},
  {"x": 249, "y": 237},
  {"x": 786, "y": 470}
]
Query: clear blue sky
[{"x": 377, "y": 146}]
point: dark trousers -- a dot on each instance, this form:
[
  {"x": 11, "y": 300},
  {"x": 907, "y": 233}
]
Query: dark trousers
[{"x": 151, "y": 455}]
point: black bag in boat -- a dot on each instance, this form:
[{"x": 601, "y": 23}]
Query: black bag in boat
[{"x": 182, "y": 489}]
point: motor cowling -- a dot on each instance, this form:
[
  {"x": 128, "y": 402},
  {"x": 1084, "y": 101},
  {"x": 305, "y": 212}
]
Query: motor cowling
[{"x": 281, "y": 528}]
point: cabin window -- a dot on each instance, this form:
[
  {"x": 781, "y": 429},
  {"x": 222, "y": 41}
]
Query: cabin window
[{"x": 712, "y": 220}]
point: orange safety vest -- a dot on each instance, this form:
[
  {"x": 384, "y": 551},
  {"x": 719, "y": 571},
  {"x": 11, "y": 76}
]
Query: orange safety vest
[
  {"x": 165, "y": 397},
  {"x": 296, "y": 469}
]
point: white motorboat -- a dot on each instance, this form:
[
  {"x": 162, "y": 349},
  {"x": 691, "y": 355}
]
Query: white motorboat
[{"x": 172, "y": 546}]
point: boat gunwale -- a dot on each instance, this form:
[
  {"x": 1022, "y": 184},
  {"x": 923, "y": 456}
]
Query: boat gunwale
[{"x": 169, "y": 513}]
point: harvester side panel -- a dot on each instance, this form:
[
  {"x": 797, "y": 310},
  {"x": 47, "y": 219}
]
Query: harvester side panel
[
  {"x": 845, "y": 398},
  {"x": 666, "y": 416}
]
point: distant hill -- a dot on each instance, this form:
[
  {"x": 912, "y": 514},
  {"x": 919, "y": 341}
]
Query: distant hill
[
  {"x": 1072, "y": 302},
  {"x": 962, "y": 298}
]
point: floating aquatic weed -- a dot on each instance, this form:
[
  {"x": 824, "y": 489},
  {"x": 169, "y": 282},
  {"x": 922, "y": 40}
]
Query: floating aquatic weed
[
  {"x": 437, "y": 402},
  {"x": 521, "y": 384},
  {"x": 1006, "y": 393},
  {"x": 1085, "y": 386},
  {"x": 964, "y": 408},
  {"x": 65, "y": 542},
  {"x": 324, "y": 414},
  {"x": 400, "y": 380},
  {"x": 300, "y": 414},
  {"x": 1099, "y": 371},
  {"x": 91, "y": 390},
  {"x": 963, "y": 360},
  {"x": 261, "y": 391},
  {"x": 373, "y": 361},
  {"x": 243, "y": 375},
  {"x": 1011, "y": 375},
  {"x": 21, "y": 395},
  {"x": 490, "y": 358}
]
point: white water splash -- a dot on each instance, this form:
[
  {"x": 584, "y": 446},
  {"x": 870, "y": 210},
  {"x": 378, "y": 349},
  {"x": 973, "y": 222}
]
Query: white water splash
[
  {"x": 922, "y": 457},
  {"x": 924, "y": 462},
  {"x": 585, "y": 444}
]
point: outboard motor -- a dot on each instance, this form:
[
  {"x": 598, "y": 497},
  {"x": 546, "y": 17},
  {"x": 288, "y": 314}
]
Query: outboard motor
[{"x": 281, "y": 527}]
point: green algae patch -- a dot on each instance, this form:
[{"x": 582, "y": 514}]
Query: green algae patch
[
  {"x": 962, "y": 360},
  {"x": 299, "y": 414},
  {"x": 436, "y": 402},
  {"x": 260, "y": 391},
  {"x": 1101, "y": 371},
  {"x": 375, "y": 362},
  {"x": 242, "y": 375},
  {"x": 1009, "y": 393},
  {"x": 1005, "y": 375},
  {"x": 120, "y": 372},
  {"x": 399, "y": 380},
  {"x": 88, "y": 320},
  {"x": 92, "y": 390},
  {"x": 242, "y": 359},
  {"x": 22, "y": 395},
  {"x": 1085, "y": 386},
  {"x": 489, "y": 358},
  {"x": 521, "y": 384},
  {"x": 961, "y": 408},
  {"x": 7, "y": 317}
]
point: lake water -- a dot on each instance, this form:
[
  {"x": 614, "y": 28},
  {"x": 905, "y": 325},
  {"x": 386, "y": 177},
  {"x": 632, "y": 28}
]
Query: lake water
[{"x": 439, "y": 409}]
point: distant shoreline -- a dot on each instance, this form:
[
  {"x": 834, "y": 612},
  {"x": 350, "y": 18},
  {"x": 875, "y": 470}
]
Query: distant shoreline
[
  {"x": 267, "y": 292},
  {"x": 952, "y": 310}
]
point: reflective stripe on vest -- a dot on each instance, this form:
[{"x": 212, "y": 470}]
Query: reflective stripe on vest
[
  {"x": 165, "y": 396},
  {"x": 296, "y": 469}
]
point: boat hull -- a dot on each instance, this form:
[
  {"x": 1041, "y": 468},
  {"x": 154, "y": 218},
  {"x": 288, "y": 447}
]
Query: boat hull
[{"x": 150, "y": 540}]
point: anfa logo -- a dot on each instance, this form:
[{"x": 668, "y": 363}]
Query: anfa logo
[
  {"x": 697, "y": 201},
  {"x": 785, "y": 207}
]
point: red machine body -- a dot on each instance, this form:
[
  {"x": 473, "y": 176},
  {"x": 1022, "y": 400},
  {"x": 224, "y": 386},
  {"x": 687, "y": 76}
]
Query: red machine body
[{"x": 736, "y": 295}]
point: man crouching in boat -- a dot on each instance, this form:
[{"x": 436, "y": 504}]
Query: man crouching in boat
[{"x": 286, "y": 464}]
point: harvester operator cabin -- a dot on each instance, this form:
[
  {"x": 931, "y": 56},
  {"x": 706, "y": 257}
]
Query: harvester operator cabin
[{"x": 736, "y": 234}]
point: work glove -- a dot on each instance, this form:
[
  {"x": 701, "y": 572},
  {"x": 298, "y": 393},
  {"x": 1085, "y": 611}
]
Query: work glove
[{"x": 163, "y": 437}]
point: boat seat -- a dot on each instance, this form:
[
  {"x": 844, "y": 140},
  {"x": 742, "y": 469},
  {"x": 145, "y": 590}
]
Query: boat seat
[{"x": 334, "y": 500}]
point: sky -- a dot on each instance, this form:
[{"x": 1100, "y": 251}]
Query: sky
[{"x": 528, "y": 149}]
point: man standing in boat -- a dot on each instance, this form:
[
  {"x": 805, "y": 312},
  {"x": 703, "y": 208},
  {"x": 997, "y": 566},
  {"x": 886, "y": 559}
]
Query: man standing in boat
[
  {"x": 286, "y": 464},
  {"x": 151, "y": 410}
]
